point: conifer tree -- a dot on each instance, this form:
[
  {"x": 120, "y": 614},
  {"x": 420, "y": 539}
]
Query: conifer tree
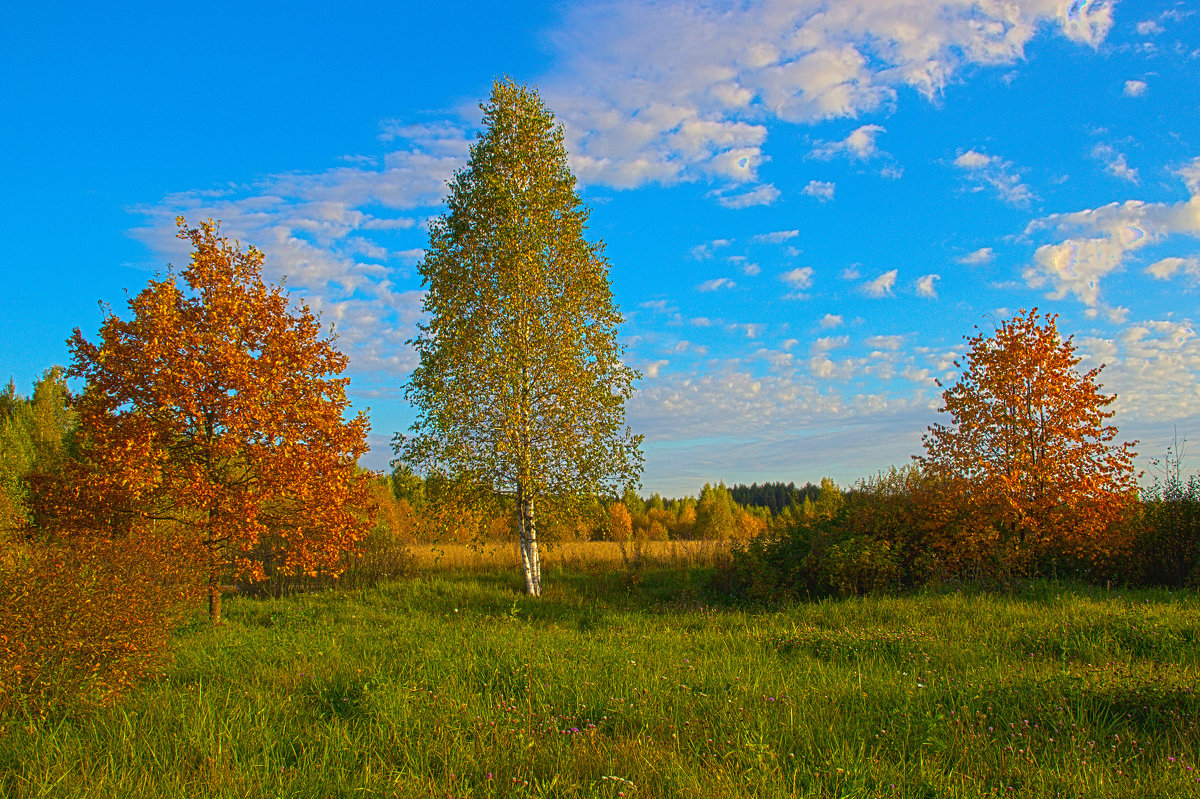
[{"x": 521, "y": 387}]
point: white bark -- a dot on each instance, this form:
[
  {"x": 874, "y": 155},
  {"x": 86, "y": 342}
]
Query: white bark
[
  {"x": 535, "y": 557},
  {"x": 530, "y": 560}
]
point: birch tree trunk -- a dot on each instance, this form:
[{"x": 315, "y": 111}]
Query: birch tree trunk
[
  {"x": 526, "y": 548},
  {"x": 535, "y": 558},
  {"x": 530, "y": 560}
]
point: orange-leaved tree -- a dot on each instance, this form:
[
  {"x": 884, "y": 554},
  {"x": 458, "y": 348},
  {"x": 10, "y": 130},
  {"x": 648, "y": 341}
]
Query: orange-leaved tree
[
  {"x": 1030, "y": 446},
  {"x": 217, "y": 411}
]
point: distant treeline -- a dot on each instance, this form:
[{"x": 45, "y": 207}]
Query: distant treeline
[{"x": 774, "y": 496}]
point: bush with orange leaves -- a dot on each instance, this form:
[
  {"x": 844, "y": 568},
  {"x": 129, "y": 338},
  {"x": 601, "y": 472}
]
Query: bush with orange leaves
[{"x": 82, "y": 620}]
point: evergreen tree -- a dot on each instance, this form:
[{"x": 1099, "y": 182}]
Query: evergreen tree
[{"x": 521, "y": 387}]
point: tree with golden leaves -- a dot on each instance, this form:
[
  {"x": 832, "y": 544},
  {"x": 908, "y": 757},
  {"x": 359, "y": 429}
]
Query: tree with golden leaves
[
  {"x": 217, "y": 411},
  {"x": 1030, "y": 446},
  {"x": 521, "y": 386}
]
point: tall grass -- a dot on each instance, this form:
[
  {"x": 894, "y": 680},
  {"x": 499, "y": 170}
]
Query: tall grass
[
  {"x": 570, "y": 555},
  {"x": 454, "y": 684}
]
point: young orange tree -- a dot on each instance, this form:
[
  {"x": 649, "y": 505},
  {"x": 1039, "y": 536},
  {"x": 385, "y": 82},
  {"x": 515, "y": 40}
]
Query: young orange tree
[
  {"x": 217, "y": 412},
  {"x": 1030, "y": 445}
]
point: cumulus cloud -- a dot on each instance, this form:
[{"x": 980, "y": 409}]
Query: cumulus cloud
[
  {"x": 859, "y": 145},
  {"x": 774, "y": 416},
  {"x": 983, "y": 255},
  {"x": 820, "y": 189},
  {"x": 765, "y": 194},
  {"x": 659, "y": 92},
  {"x": 1114, "y": 162},
  {"x": 334, "y": 235},
  {"x": 1167, "y": 268},
  {"x": 925, "y": 286},
  {"x": 705, "y": 250},
  {"x": 777, "y": 237},
  {"x": 984, "y": 171},
  {"x": 1190, "y": 173},
  {"x": 829, "y": 321},
  {"x": 880, "y": 286},
  {"x": 717, "y": 283},
  {"x": 1153, "y": 366},
  {"x": 651, "y": 370},
  {"x": 1135, "y": 88},
  {"x": 799, "y": 278},
  {"x": 885, "y": 342},
  {"x": 1101, "y": 238},
  {"x": 827, "y": 344}
]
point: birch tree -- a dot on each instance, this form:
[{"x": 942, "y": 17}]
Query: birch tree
[{"x": 521, "y": 387}]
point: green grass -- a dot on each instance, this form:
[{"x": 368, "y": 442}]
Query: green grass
[{"x": 631, "y": 685}]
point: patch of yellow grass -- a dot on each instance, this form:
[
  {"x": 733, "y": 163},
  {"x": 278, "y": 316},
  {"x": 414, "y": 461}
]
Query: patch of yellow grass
[{"x": 570, "y": 554}]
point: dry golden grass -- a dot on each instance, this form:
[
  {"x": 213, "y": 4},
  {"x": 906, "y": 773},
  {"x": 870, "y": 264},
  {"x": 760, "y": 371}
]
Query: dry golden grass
[{"x": 570, "y": 554}]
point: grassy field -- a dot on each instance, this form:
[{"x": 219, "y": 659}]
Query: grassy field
[
  {"x": 571, "y": 556},
  {"x": 634, "y": 684}
]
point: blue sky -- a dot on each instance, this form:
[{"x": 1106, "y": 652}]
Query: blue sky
[{"x": 806, "y": 205}]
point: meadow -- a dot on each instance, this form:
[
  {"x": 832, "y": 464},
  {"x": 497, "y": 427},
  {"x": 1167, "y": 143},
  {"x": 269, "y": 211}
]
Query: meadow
[{"x": 637, "y": 681}]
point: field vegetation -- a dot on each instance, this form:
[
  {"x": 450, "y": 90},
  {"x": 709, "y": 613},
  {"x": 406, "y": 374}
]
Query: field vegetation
[{"x": 622, "y": 682}]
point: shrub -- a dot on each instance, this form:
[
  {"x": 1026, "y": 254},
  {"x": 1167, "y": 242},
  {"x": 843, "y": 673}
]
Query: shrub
[
  {"x": 899, "y": 529},
  {"x": 82, "y": 620},
  {"x": 1167, "y": 549}
]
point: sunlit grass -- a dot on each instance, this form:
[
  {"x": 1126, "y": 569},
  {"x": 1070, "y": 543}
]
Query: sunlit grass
[
  {"x": 637, "y": 684},
  {"x": 569, "y": 555}
]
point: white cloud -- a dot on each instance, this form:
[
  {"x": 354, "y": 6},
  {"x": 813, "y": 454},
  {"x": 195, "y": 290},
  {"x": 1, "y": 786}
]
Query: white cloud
[
  {"x": 859, "y": 145},
  {"x": 751, "y": 269},
  {"x": 925, "y": 286},
  {"x": 1104, "y": 236},
  {"x": 984, "y": 255},
  {"x": 777, "y": 237},
  {"x": 991, "y": 171},
  {"x": 1114, "y": 162},
  {"x": 664, "y": 92},
  {"x": 1167, "y": 268},
  {"x": 1153, "y": 366},
  {"x": 705, "y": 250},
  {"x": 1190, "y": 172},
  {"x": 765, "y": 194},
  {"x": 827, "y": 344},
  {"x": 885, "y": 342},
  {"x": 717, "y": 283},
  {"x": 333, "y": 234},
  {"x": 973, "y": 160},
  {"x": 820, "y": 189},
  {"x": 1149, "y": 28},
  {"x": 799, "y": 278},
  {"x": 1135, "y": 88},
  {"x": 829, "y": 321},
  {"x": 652, "y": 369},
  {"x": 882, "y": 285},
  {"x": 851, "y": 273}
]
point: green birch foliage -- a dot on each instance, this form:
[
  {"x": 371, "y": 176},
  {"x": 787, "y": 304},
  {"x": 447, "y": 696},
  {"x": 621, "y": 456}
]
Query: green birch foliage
[{"x": 521, "y": 386}]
